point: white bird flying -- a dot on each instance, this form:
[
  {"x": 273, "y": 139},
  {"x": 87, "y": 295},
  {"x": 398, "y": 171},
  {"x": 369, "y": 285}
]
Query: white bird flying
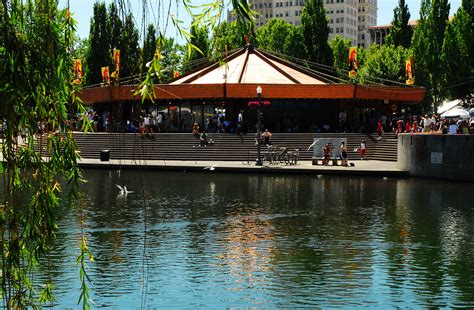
[{"x": 123, "y": 190}]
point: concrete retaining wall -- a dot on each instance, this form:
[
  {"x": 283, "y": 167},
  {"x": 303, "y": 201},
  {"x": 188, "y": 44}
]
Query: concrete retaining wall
[{"x": 449, "y": 157}]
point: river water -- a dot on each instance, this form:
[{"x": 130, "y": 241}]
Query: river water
[{"x": 191, "y": 240}]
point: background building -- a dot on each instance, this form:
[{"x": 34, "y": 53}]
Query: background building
[
  {"x": 378, "y": 33},
  {"x": 367, "y": 16},
  {"x": 348, "y": 18}
]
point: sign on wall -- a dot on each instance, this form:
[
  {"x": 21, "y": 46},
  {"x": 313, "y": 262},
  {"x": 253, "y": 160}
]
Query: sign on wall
[{"x": 436, "y": 158}]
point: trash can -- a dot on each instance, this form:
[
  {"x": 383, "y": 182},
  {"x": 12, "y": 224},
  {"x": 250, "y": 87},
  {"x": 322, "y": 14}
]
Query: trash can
[{"x": 104, "y": 155}]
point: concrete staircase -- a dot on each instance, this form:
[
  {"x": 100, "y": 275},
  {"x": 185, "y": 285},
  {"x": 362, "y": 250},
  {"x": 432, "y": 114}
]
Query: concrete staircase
[
  {"x": 226, "y": 147},
  {"x": 385, "y": 148}
]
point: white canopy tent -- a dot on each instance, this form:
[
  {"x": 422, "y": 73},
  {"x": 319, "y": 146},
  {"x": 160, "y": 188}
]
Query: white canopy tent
[
  {"x": 456, "y": 113},
  {"x": 448, "y": 105}
]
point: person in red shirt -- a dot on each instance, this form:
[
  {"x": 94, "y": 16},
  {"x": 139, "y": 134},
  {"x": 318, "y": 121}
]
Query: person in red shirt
[
  {"x": 408, "y": 126},
  {"x": 379, "y": 129}
]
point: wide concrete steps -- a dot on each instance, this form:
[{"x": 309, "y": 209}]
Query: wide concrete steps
[
  {"x": 385, "y": 148},
  {"x": 226, "y": 147}
]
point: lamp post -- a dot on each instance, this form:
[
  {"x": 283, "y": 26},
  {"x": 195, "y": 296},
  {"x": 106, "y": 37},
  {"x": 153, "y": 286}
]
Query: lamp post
[{"x": 259, "y": 162}]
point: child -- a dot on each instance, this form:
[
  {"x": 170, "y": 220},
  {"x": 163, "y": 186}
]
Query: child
[{"x": 362, "y": 150}]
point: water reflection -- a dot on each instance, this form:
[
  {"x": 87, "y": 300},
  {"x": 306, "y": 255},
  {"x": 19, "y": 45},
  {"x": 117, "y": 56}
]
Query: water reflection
[{"x": 216, "y": 240}]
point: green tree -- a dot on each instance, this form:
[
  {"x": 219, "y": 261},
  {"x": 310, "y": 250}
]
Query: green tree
[
  {"x": 149, "y": 48},
  {"x": 115, "y": 26},
  {"x": 458, "y": 71},
  {"x": 315, "y": 27},
  {"x": 464, "y": 22},
  {"x": 99, "y": 44},
  {"x": 36, "y": 90},
  {"x": 172, "y": 55},
  {"x": 340, "y": 51},
  {"x": 294, "y": 43},
  {"x": 401, "y": 32},
  {"x": 130, "y": 52},
  {"x": 227, "y": 36},
  {"x": 383, "y": 62},
  {"x": 200, "y": 40},
  {"x": 271, "y": 36},
  {"x": 427, "y": 46},
  {"x": 79, "y": 51}
]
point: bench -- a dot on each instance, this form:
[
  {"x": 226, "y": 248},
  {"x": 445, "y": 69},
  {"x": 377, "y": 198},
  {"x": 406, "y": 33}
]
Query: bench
[{"x": 334, "y": 161}]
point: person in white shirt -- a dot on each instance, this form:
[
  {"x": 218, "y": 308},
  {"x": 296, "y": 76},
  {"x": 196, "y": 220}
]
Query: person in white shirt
[
  {"x": 240, "y": 117},
  {"x": 426, "y": 123}
]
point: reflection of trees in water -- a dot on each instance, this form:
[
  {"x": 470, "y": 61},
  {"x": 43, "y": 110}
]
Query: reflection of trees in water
[
  {"x": 312, "y": 237},
  {"x": 437, "y": 215}
]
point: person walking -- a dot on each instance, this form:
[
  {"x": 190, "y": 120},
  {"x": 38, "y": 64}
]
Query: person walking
[
  {"x": 344, "y": 154},
  {"x": 240, "y": 118},
  {"x": 379, "y": 129}
]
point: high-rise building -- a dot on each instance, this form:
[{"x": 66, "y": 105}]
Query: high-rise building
[
  {"x": 366, "y": 17},
  {"x": 347, "y": 18}
]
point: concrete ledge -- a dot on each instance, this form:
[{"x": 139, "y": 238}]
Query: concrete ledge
[
  {"x": 361, "y": 168},
  {"x": 447, "y": 157}
]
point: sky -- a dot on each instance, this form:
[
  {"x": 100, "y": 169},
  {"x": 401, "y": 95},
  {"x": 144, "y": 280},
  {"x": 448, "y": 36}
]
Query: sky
[{"x": 83, "y": 9}]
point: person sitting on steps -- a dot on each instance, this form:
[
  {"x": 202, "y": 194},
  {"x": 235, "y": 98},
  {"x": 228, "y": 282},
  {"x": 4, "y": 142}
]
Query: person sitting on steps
[
  {"x": 196, "y": 130},
  {"x": 203, "y": 139},
  {"x": 267, "y": 135}
]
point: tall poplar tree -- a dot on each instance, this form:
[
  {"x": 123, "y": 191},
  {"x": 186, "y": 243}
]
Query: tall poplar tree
[
  {"x": 465, "y": 25},
  {"x": 130, "y": 52},
  {"x": 427, "y": 48},
  {"x": 315, "y": 27},
  {"x": 99, "y": 44},
  {"x": 458, "y": 66},
  {"x": 401, "y": 32},
  {"x": 115, "y": 26},
  {"x": 149, "y": 47}
]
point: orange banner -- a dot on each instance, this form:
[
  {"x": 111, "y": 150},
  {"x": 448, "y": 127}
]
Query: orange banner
[
  {"x": 105, "y": 75},
  {"x": 117, "y": 59},
  {"x": 77, "y": 71},
  {"x": 409, "y": 71},
  {"x": 353, "y": 64}
]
